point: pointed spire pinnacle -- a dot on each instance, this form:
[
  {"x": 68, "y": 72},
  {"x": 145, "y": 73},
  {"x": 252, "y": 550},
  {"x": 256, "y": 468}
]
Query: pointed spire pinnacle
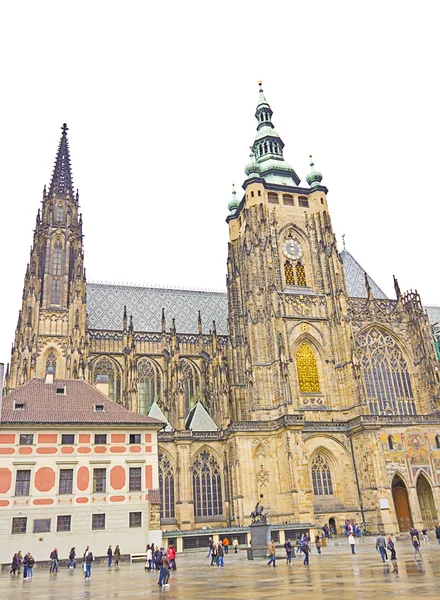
[
  {"x": 397, "y": 287},
  {"x": 234, "y": 203},
  {"x": 367, "y": 286},
  {"x": 199, "y": 322},
  {"x": 164, "y": 323},
  {"x": 314, "y": 178},
  {"x": 61, "y": 184}
]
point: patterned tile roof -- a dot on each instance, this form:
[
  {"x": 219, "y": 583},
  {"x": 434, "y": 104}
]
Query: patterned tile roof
[
  {"x": 105, "y": 306},
  {"x": 42, "y": 404},
  {"x": 355, "y": 278},
  {"x": 433, "y": 314}
]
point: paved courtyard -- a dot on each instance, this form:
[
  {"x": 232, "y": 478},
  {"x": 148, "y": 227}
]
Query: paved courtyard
[{"x": 334, "y": 574}]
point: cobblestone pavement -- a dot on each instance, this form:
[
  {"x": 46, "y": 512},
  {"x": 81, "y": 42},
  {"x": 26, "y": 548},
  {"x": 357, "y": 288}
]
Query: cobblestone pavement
[{"x": 334, "y": 574}]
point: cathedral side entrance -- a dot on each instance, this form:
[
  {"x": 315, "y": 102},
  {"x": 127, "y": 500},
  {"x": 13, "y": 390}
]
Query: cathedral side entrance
[{"x": 401, "y": 504}]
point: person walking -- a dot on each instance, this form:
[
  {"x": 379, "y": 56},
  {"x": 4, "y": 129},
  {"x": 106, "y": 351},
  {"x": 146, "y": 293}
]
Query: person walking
[
  {"x": 271, "y": 552},
  {"x": 437, "y": 535},
  {"x": 305, "y": 549},
  {"x": 86, "y": 551},
  {"x": 165, "y": 571},
  {"x": 235, "y": 545},
  {"x": 210, "y": 547},
  {"x": 54, "y": 561},
  {"x": 416, "y": 546},
  {"x": 110, "y": 556},
  {"x": 89, "y": 560},
  {"x": 31, "y": 563},
  {"x": 117, "y": 555},
  {"x": 148, "y": 558},
  {"x": 318, "y": 544},
  {"x": 20, "y": 561},
  {"x": 225, "y": 544},
  {"x": 26, "y": 565},
  {"x": 14, "y": 564},
  {"x": 288, "y": 548},
  {"x": 381, "y": 547},
  {"x": 352, "y": 542},
  {"x": 214, "y": 555},
  {"x": 391, "y": 547},
  {"x": 72, "y": 555},
  {"x": 220, "y": 555},
  {"x": 172, "y": 556},
  {"x": 425, "y": 535}
]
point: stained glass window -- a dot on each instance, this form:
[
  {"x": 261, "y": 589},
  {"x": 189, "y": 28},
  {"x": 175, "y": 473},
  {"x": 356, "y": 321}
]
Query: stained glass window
[
  {"x": 60, "y": 213},
  {"x": 55, "y": 293},
  {"x": 307, "y": 369},
  {"x": 289, "y": 274},
  {"x": 207, "y": 486},
  {"x": 57, "y": 259},
  {"x": 166, "y": 487},
  {"x": 105, "y": 366},
  {"x": 51, "y": 363},
  {"x": 149, "y": 385},
  {"x": 191, "y": 384},
  {"x": 386, "y": 378},
  {"x": 321, "y": 477},
  {"x": 300, "y": 274}
]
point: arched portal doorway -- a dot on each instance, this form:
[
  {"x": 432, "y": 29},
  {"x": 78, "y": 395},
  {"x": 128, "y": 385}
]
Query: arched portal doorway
[
  {"x": 426, "y": 502},
  {"x": 332, "y": 524},
  {"x": 401, "y": 504}
]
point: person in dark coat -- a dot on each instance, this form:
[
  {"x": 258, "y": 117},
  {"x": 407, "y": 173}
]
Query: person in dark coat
[
  {"x": 14, "y": 564},
  {"x": 89, "y": 560},
  {"x": 110, "y": 556},
  {"x": 25, "y": 565},
  {"x": 391, "y": 547},
  {"x": 437, "y": 533},
  {"x": 117, "y": 555}
]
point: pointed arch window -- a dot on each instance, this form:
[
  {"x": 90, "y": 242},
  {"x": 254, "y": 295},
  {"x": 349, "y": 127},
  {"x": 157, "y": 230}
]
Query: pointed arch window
[
  {"x": 51, "y": 363},
  {"x": 437, "y": 441},
  {"x": 207, "y": 486},
  {"x": 300, "y": 274},
  {"x": 57, "y": 259},
  {"x": 59, "y": 215},
  {"x": 191, "y": 384},
  {"x": 105, "y": 366},
  {"x": 307, "y": 369},
  {"x": 149, "y": 385},
  {"x": 289, "y": 273},
  {"x": 166, "y": 487},
  {"x": 387, "y": 381},
  {"x": 390, "y": 442},
  {"x": 321, "y": 477}
]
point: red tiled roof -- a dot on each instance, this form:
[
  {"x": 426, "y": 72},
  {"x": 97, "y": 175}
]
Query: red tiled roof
[{"x": 42, "y": 404}]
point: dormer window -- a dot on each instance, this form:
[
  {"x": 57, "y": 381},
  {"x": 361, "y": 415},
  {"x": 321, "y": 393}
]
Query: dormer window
[
  {"x": 18, "y": 405},
  {"x": 61, "y": 391},
  {"x": 99, "y": 408}
]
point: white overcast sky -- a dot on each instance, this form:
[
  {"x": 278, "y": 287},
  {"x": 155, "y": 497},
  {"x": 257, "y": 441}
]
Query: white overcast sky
[{"x": 160, "y": 97}]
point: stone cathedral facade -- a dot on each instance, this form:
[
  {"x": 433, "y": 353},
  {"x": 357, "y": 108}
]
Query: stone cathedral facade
[{"x": 303, "y": 386}]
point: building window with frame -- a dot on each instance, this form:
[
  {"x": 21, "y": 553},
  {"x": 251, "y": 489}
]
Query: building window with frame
[
  {"x": 51, "y": 364},
  {"x": 149, "y": 385},
  {"x": 104, "y": 366},
  {"x": 134, "y": 438},
  {"x": 300, "y": 274},
  {"x": 135, "y": 479},
  {"x": 390, "y": 442},
  {"x": 135, "y": 519},
  {"x": 23, "y": 483},
  {"x": 66, "y": 481},
  {"x": 41, "y": 526},
  {"x": 55, "y": 295},
  {"x": 19, "y": 525},
  {"x": 99, "y": 481},
  {"x": 59, "y": 213},
  {"x": 289, "y": 273},
  {"x": 385, "y": 373},
  {"x": 98, "y": 521},
  {"x": 57, "y": 261},
  {"x": 166, "y": 487},
  {"x": 191, "y": 384},
  {"x": 67, "y": 439},
  {"x": 100, "y": 438},
  {"x": 307, "y": 370},
  {"x": 64, "y": 522},
  {"x": 26, "y": 439},
  {"x": 321, "y": 477},
  {"x": 437, "y": 441},
  {"x": 303, "y": 202},
  {"x": 207, "y": 486}
]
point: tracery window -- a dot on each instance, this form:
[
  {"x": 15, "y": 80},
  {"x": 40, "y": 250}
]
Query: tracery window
[
  {"x": 149, "y": 385},
  {"x": 289, "y": 273},
  {"x": 51, "y": 363},
  {"x": 105, "y": 366},
  {"x": 386, "y": 378},
  {"x": 55, "y": 291},
  {"x": 300, "y": 274},
  {"x": 166, "y": 487},
  {"x": 307, "y": 369},
  {"x": 57, "y": 259},
  {"x": 191, "y": 384},
  {"x": 321, "y": 477},
  {"x": 207, "y": 486},
  {"x": 60, "y": 213},
  {"x": 390, "y": 442}
]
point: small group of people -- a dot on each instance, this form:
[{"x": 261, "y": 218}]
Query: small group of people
[
  {"x": 352, "y": 528},
  {"x": 113, "y": 555},
  {"x": 217, "y": 551},
  {"x": 28, "y": 563},
  {"x": 328, "y": 531},
  {"x": 302, "y": 544},
  {"x": 157, "y": 559}
]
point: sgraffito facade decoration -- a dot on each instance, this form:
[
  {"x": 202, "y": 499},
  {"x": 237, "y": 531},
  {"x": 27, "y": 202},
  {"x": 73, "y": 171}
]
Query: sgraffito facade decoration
[{"x": 302, "y": 386}]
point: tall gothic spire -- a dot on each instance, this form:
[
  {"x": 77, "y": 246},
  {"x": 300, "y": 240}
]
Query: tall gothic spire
[
  {"x": 268, "y": 148},
  {"x": 61, "y": 184}
]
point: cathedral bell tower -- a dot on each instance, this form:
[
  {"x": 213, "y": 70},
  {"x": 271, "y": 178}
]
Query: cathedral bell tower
[
  {"x": 51, "y": 331},
  {"x": 286, "y": 289}
]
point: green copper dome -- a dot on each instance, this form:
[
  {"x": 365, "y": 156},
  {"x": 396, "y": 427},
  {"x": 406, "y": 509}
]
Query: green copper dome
[
  {"x": 234, "y": 203},
  {"x": 314, "y": 178}
]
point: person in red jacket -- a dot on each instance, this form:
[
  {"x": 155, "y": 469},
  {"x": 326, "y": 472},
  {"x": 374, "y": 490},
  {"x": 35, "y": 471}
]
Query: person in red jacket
[{"x": 172, "y": 556}]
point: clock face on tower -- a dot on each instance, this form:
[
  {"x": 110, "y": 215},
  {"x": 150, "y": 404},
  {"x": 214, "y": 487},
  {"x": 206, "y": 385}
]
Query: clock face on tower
[{"x": 292, "y": 249}]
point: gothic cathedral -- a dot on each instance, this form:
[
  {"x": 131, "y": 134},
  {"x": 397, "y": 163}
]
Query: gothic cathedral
[{"x": 303, "y": 386}]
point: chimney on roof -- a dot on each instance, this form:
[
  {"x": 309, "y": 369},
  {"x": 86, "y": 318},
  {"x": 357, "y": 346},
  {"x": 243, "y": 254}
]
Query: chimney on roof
[
  {"x": 50, "y": 373},
  {"x": 102, "y": 385}
]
